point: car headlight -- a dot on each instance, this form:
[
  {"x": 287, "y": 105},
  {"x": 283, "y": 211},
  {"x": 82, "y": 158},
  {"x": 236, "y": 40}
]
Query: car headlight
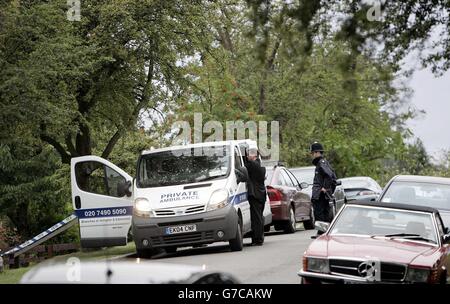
[
  {"x": 317, "y": 265},
  {"x": 218, "y": 199},
  {"x": 142, "y": 207},
  {"x": 417, "y": 275}
]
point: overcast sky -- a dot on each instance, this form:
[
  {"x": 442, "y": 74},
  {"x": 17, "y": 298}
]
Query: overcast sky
[{"x": 432, "y": 95}]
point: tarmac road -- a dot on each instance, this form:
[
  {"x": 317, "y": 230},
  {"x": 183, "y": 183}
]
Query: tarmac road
[{"x": 277, "y": 261}]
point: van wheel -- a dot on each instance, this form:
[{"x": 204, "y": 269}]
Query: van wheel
[
  {"x": 146, "y": 253},
  {"x": 172, "y": 249},
  {"x": 237, "y": 243},
  {"x": 309, "y": 224},
  {"x": 290, "y": 225}
]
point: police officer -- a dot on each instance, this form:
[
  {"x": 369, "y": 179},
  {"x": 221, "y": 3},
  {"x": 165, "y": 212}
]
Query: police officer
[
  {"x": 256, "y": 195},
  {"x": 323, "y": 186}
]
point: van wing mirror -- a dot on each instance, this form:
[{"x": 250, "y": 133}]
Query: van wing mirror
[
  {"x": 241, "y": 175},
  {"x": 321, "y": 226},
  {"x": 123, "y": 188},
  {"x": 338, "y": 183}
]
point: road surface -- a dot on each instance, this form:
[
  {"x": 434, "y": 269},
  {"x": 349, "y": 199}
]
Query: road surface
[{"x": 277, "y": 261}]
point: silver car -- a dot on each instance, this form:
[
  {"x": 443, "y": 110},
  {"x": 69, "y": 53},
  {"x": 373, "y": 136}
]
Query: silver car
[
  {"x": 427, "y": 191},
  {"x": 361, "y": 188},
  {"x": 136, "y": 271}
]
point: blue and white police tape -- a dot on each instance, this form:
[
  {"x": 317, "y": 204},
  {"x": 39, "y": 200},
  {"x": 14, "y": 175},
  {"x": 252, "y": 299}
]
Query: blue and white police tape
[{"x": 54, "y": 229}]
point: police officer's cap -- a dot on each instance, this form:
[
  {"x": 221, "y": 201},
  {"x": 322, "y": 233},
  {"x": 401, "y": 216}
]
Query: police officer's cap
[{"x": 316, "y": 147}]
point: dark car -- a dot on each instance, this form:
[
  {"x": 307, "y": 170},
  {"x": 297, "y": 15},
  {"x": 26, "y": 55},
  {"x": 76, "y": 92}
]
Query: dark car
[
  {"x": 370, "y": 242},
  {"x": 306, "y": 175},
  {"x": 288, "y": 203},
  {"x": 427, "y": 191},
  {"x": 361, "y": 188}
]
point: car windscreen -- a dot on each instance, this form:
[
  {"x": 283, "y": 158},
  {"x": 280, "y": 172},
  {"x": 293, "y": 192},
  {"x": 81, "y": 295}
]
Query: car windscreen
[
  {"x": 183, "y": 166},
  {"x": 373, "y": 221},
  {"x": 422, "y": 194},
  {"x": 304, "y": 175}
]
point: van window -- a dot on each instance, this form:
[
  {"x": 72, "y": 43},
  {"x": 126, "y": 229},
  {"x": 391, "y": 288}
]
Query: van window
[
  {"x": 190, "y": 165},
  {"x": 94, "y": 177}
]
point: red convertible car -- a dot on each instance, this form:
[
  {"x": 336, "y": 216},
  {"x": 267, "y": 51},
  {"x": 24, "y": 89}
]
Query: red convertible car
[{"x": 374, "y": 242}]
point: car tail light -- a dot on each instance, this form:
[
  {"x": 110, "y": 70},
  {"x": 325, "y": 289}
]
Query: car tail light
[{"x": 274, "y": 194}]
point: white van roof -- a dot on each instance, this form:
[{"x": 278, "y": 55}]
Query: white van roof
[{"x": 249, "y": 142}]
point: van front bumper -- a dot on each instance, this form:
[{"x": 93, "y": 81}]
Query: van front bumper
[{"x": 151, "y": 232}]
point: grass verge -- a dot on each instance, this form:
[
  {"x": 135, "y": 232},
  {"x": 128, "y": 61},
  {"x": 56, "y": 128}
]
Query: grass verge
[{"x": 13, "y": 276}]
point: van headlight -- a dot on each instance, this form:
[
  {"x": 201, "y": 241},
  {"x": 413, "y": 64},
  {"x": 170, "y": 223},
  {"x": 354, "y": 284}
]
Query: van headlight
[
  {"x": 218, "y": 199},
  {"x": 417, "y": 275},
  {"x": 142, "y": 207},
  {"x": 316, "y": 265}
]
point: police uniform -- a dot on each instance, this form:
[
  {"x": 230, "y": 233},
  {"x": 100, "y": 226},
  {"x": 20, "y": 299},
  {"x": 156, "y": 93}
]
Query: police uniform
[{"x": 324, "y": 178}]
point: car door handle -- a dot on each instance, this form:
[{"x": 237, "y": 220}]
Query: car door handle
[{"x": 77, "y": 202}]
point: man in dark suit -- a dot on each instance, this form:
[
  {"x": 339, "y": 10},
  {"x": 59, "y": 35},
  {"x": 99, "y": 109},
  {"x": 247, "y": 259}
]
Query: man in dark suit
[{"x": 256, "y": 195}]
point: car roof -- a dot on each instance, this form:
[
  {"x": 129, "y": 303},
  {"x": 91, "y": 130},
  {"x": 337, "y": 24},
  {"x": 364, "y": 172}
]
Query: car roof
[
  {"x": 394, "y": 206},
  {"x": 251, "y": 143},
  {"x": 422, "y": 179},
  {"x": 302, "y": 168},
  {"x": 367, "y": 178}
]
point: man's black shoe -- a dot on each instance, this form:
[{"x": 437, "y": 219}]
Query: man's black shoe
[{"x": 256, "y": 243}]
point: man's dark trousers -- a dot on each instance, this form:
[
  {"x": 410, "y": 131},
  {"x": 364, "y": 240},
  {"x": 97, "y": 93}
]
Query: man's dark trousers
[
  {"x": 322, "y": 209},
  {"x": 257, "y": 219}
]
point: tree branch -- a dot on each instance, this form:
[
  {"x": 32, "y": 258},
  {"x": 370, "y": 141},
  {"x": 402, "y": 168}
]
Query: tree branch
[
  {"x": 112, "y": 142},
  {"x": 73, "y": 152},
  {"x": 65, "y": 157}
]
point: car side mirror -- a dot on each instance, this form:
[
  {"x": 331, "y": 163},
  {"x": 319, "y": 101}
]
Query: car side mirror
[
  {"x": 338, "y": 183},
  {"x": 446, "y": 238},
  {"x": 321, "y": 226},
  {"x": 241, "y": 175},
  {"x": 123, "y": 188},
  {"x": 304, "y": 185}
]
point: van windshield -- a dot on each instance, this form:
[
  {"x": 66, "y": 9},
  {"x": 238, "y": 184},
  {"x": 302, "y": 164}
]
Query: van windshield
[{"x": 183, "y": 166}]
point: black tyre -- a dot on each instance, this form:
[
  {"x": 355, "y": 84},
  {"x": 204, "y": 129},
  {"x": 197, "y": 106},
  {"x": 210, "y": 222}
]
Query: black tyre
[
  {"x": 267, "y": 228},
  {"x": 309, "y": 224},
  {"x": 172, "y": 249},
  {"x": 278, "y": 227},
  {"x": 237, "y": 243},
  {"x": 290, "y": 225},
  {"x": 146, "y": 253}
]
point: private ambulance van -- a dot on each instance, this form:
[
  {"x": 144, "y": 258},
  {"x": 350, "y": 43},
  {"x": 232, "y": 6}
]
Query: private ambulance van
[{"x": 182, "y": 196}]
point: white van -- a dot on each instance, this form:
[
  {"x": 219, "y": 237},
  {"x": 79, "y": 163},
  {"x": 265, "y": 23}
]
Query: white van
[{"x": 181, "y": 196}]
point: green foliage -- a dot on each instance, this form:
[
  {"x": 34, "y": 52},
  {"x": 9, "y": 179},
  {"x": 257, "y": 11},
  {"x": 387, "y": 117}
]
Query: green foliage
[
  {"x": 69, "y": 89},
  {"x": 34, "y": 188}
]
